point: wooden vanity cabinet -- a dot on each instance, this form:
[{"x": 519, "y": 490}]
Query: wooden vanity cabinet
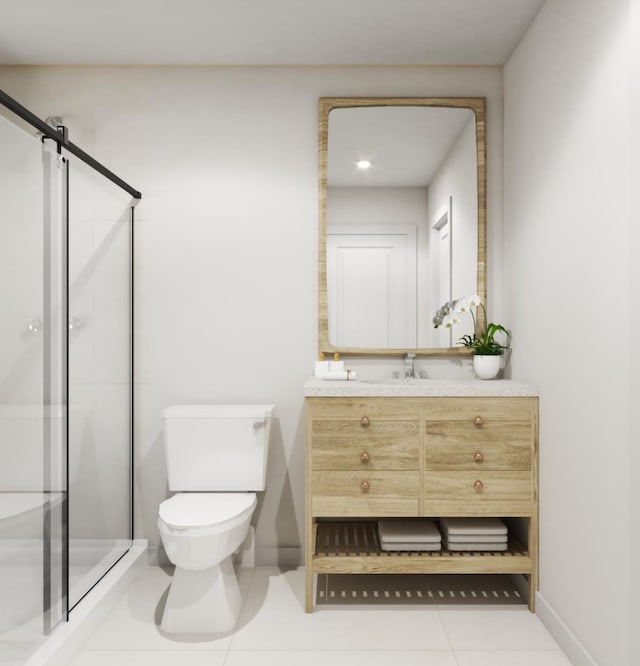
[{"x": 381, "y": 457}]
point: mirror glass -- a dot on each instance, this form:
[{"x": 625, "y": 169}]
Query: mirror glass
[{"x": 402, "y": 221}]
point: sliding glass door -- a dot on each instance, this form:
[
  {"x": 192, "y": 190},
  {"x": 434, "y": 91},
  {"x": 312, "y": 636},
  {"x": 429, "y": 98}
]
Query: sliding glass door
[
  {"x": 100, "y": 358},
  {"x": 33, "y": 415}
]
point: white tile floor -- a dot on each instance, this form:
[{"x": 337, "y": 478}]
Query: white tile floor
[{"x": 273, "y": 629}]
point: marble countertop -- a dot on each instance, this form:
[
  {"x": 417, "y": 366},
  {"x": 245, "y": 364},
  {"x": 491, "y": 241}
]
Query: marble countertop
[{"x": 326, "y": 388}]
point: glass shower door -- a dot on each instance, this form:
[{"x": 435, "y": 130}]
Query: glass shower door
[
  {"x": 100, "y": 387},
  {"x": 32, "y": 392}
]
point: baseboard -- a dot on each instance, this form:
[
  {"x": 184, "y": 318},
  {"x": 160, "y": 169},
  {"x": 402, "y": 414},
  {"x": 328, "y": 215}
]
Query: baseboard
[
  {"x": 566, "y": 639},
  {"x": 265, "y": 556},
  {"x": 278, "y": 557},
  {"x": 156, "y": 557},
  {"x": 86, "y": 617}
]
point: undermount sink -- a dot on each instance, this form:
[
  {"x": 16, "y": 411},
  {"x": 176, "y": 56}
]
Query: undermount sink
[{"x": 397, "y": 381}]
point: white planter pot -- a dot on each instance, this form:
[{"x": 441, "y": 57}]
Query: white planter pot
[{"x": 486, "y": 367}]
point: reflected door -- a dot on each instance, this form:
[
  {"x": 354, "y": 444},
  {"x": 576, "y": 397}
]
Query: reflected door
[
  {"x": 442, "y": 278},
  {"x": 371, "y": 280}
]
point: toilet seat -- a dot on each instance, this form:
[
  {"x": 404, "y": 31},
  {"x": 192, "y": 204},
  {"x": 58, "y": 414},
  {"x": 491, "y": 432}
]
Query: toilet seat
[{"x": 206, "y": 511}]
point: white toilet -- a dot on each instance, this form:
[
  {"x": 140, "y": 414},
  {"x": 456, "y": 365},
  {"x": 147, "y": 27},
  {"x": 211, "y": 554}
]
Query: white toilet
[{"x": 216, "y": 458}]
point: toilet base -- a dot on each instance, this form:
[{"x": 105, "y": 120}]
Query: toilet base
[{"x": 203, "y": 601}]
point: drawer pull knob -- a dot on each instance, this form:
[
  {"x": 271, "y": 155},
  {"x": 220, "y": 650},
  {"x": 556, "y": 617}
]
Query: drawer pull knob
[
  {"x": 364, "y": 421},
  {"x": 478, "y": 457},
  {"x": 478, "y": 421},
  {"x": 364, "y": 486},
  {"x": 478, "y": 486},
  {"x": 364, "y": 457}
]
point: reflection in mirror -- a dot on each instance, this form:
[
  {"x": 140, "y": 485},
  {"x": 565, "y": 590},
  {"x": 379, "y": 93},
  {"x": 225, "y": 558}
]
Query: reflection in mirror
[{"x": 402, "y": 220}]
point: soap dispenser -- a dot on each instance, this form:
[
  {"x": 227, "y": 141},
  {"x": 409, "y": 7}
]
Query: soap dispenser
[
  {"x": 321, "y": 367},
  {"x": 336, "y": 366}
]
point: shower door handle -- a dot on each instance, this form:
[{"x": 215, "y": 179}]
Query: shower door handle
[
  {"x": 34, "y": 325},
  {"x": 75, "y": 324}
]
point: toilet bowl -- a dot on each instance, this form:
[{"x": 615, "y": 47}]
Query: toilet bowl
[
  {"x": 216, "y": 459},
  {"x": 199, "y": 530}
]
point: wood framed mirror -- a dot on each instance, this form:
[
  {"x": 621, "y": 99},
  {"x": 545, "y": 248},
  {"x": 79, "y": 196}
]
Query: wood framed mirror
[{"x": 402, "y": 226}]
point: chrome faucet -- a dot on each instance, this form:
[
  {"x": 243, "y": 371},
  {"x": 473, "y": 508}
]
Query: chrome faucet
[{"x": 409, "y": 367}]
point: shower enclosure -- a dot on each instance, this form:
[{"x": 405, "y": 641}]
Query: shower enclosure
[{"x": 66, "y": 241}]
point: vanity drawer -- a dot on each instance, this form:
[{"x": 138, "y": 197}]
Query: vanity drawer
[
  {"x": 480, "y": 412},
  {"x": 370, "y": 494},
  {"x": 381, "y": 445},
  {"x": 354, "y": 409},
  {"x": 459, "y": 445},
  {"x": 478, "y": 494}
]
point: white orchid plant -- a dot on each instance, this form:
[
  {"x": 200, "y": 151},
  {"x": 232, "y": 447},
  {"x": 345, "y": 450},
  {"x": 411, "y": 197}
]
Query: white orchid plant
[{"x": 482, "y": 341}]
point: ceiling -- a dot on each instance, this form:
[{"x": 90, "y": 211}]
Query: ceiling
[
  {"x": 262, "y": 32},
  {"x": 406, "y": 145}
]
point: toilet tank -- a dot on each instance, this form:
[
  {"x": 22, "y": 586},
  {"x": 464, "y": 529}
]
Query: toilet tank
[{"x": 217, "y": 447}]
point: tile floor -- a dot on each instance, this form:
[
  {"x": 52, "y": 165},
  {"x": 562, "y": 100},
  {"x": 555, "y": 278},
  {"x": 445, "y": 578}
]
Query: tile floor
[{"x": 274, "y": 629}]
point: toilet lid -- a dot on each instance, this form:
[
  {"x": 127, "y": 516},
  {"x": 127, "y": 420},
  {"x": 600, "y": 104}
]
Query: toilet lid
[{"x": 202, "y": 509}]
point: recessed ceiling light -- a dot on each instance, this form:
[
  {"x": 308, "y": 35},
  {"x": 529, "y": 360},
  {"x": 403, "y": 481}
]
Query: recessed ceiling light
[{"x": 363, "y": 164}]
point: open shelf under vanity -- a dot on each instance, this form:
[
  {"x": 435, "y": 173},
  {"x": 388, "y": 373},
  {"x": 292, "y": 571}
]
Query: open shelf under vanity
[{"x": 354, "y": 547}]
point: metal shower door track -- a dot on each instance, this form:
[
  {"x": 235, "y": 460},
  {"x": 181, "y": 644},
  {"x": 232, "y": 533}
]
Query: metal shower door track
[{"x": 62, "y": 140}]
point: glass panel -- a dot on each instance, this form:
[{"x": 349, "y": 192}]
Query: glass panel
[
  {"x": 32, "y": 414},
  {"x": 99, "y": 377}
]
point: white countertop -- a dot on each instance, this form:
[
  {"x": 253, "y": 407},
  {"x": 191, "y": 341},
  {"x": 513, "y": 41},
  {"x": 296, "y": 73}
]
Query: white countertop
[{"x": 326, "y": 388}]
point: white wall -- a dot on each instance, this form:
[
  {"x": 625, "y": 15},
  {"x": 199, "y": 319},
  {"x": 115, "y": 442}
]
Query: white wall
[
  {"x": 634, "y": 244},
  {"x": 457, "y": 177},
  {"x": 567, "y": 292},
  {"x": 226, "y": 246},
  {"x": 457, "y": 180},
  {"x": 376, "y": 205}
]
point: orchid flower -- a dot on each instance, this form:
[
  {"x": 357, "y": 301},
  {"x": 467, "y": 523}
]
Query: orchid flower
[
  {"x": 451, "y": 320},
  {"x": 483, "y": 338}
]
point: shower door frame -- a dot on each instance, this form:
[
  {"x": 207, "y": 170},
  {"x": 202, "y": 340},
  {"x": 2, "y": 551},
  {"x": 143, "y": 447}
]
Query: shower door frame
[{"x": 55, "y": 383}]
